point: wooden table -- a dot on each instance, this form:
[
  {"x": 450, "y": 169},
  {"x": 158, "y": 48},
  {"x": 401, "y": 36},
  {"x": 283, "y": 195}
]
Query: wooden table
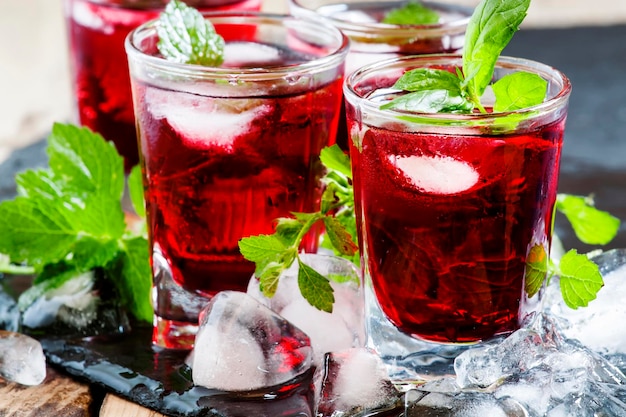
[{"x": 62, "y": 396}]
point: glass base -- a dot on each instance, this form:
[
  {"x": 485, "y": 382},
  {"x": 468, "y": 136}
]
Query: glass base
[
  {"x": 172, "y": 334},
  {"x": 176, "y": 310},
  {"x": 409, "y": 361}
]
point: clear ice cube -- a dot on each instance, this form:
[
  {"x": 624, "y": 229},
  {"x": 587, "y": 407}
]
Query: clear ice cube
[
  {"x": 436, "y": 174},
  {"x": 21, "y": 359},
  {"x": 242, "y": 345},
  {"x": 355, "y": 380},
  {"x": 205, "y": 121},
  {"x": 342, "y": 329}
]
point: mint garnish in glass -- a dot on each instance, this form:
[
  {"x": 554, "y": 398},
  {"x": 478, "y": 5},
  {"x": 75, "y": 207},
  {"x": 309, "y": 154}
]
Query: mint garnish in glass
[
  {"x": 412, "y": 13},
  {"x": 491, "y": 27},
  {"x": 185, "y": 36}
]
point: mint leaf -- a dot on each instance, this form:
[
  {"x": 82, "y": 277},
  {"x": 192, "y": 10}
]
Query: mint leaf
[
  {"x": 185, "y": 36},
  {"x": 339, "y": 237},
  {"x": 430, "y": 101},
  {"x": 334, "y": 159},
  {"x": 134, "y": 280},
  {"x": 580, "y": 279},
  {"x": 69, "y": 218},
  {"x": 491, "y": 27},
  {"x": 269, "y": 277},
  {"x": 519, "y": 90},
  {"x": 428, "y": 79},
  {"x": 412, "y": 13},
  {"x": 592, "y": 226},
  {"x": 288, "y": 230},
  {"x": 536, "y": 269},
  {"x": 315, "y": 288},
  {"x": 135, "y": 190},
  {"x": 261, "y": 249}
]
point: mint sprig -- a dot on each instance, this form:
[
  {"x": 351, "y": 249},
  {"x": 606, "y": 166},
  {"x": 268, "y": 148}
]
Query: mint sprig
[
  {"x": 185, "y": 36},
  {"x": 592, "y": 226},
  {"x": 68, "y": 219},
  {"x": 491, "y": 27},
  {"x": 272, "y": 254},
  {"x": 579, "y": 277},
  {"x": 412, "y": 13}
]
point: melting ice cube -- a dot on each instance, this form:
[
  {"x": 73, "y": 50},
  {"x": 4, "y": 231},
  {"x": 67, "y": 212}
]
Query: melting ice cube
[
  {"x": 205, "y": 121},
  {"x": 242, "y": 345},
  {"x": 343, "y": 328},
  {"x": 599, "y": 326},
  {"x": 436, "y": 174},
  {"x": 21, "y": 359},
  {"x": 355, "y": 379},
  {"x": 84, "y": 15},
  {"x": 242, "y": 54}
]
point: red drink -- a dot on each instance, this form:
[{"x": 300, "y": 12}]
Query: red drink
[
  {"x": 228, "y": 150},
  {"x": 97, "y": 29},
  {"x": 231, "y": 175},
  {"x": 447, "y": 257},
  {"x": 449, "y": 206}
]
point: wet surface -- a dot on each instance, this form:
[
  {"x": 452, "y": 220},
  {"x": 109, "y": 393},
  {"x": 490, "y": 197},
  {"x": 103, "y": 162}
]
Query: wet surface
[
  {"x": 129, "y": 366},
  {"x": 593, "y": 162}
]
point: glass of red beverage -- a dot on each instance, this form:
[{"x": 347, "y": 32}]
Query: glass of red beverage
[
  {"x": 449, "y": 205},
  {"x": 100, "y": 81},
  {"x": 371, "y": 40},
  {"x": 227, "y": 150}
]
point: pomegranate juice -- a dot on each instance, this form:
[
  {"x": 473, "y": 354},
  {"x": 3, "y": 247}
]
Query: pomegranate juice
[
  {"x": 97, "y": 29},
  {"x": 448, "y": 222}
]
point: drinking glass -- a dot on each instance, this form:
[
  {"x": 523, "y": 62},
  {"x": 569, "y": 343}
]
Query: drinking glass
[
  {"x": 449, "y": 206},
  {"x": 371, "y": 40},
  {"x": 227, "y": 150},
  {"x": 100, "y": 81}
]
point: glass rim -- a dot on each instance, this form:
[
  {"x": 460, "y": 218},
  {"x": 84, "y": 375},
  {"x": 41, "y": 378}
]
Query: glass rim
[
  {"x": 364, "y": 30},
  {"x": 507, "y": 62},
  {"x": 159, "y": 4},
  {"x": 331, "y": 60}
]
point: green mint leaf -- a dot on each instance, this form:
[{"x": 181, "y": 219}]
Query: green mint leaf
[
  {"x": 69, "y": 218},
  {"x": 288, "y": 230},
  {"x": 329, "y": 198},
  {"x": 133, "y": 277},
  {"x": 135, "y": 190},
  {"x": 412, "y": 13},
  {"x": 519, "y": 90},
  {"x": 185, "y": 36},
  {"x": 580, "y": 279},
  {"x": 428, "y": 79},
  {"x": 339, "y": 237},
  {"x": 315, "y": 288},
  {"x": 78, "y": 197},
  {"x": 259, "y": 248},
  {"x": 334, "y": 159},
  {"x": 536, "y": 269},
  {"x": 430, "y": 101},
  {"x": 492, "y": 25},
  {"x": 269, "y": 278},
  {"x": 592, "y": 226}
]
